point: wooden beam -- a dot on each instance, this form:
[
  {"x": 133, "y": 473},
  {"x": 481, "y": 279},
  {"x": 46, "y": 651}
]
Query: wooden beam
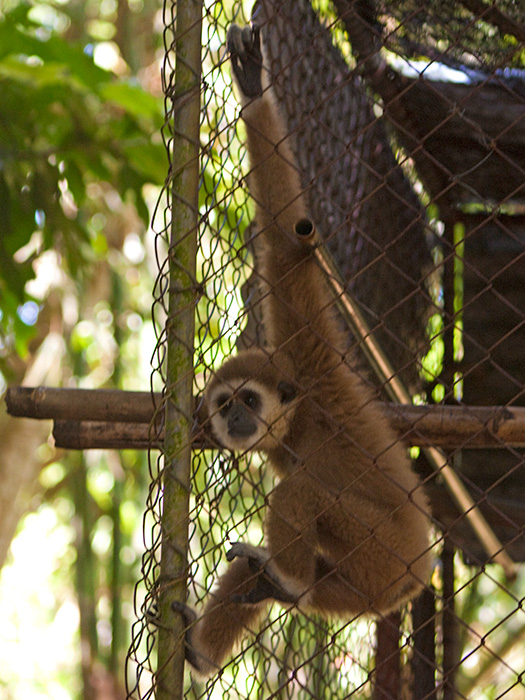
[
  {"x": 83, "y": 404},
  {"x": 459, "y": 426},
  {"x": 113, "y": 419},
  {"x": 105, "y": 435}
]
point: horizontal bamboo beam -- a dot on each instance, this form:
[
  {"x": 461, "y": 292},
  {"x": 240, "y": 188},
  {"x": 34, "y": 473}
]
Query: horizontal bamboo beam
[
  {"x": 460, "y": 426},
  {"x": 113, "y": 419},
  {"x": 105, "y": 435},
  {"x": 82, "y": 404}
]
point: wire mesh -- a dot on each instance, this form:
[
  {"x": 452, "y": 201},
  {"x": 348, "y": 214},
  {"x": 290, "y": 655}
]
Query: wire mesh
[{"x": 408, "y": 123}]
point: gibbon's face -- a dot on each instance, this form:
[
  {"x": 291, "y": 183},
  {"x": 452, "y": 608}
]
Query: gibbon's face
[{"x": 247, "y": 415}]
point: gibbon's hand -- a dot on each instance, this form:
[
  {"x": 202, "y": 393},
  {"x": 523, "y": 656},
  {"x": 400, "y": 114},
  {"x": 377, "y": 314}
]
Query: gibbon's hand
[
  {"x": 266, "y": 586},
  {"x": 244, "y": 46}
]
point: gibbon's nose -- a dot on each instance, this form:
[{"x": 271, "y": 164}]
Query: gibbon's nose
[{"x": 240, "y": 422}]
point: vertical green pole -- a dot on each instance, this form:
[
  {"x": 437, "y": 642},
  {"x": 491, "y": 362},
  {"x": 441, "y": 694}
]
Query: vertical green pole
[{"x": 180, "y": 334}]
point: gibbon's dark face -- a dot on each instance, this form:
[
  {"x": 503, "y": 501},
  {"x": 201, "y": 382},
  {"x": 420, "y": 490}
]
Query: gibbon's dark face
[
  {"x": 249, "y": 413},
  {"x": 240, "y": 412}
]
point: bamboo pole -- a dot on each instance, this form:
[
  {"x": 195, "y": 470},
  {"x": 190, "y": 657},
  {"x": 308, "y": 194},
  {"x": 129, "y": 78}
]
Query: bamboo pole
[
  {"x": 451, "y": 429},
  {"x": 180, "y": 337},
  {"x": 83, "y": 404},
  {"x": 116, "y": 419}
]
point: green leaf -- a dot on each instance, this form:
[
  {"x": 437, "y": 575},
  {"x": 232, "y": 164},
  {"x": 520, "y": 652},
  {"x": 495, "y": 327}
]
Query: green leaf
[
  {"x": 150, "y": 160},
  {"x": 133, "y": 99},
  {"x": 17, "y": 40}
]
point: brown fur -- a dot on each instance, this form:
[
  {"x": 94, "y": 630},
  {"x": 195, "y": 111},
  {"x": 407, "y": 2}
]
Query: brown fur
[{"x": 347, "y": 525}]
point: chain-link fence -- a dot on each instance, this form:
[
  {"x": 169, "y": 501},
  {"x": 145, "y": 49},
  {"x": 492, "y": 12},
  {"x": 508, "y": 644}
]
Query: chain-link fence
[{"x": 408, "y": 127}]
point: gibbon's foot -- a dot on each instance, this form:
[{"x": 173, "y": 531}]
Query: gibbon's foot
[
  {"x": 244, "y": 46},
  {"x": 265, "y": 586},
  {"x": 189, "y": 616}
]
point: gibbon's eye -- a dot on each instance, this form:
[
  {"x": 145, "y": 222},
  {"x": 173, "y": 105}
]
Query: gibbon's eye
[
  {"x": 250, "y": 399},
  {"x": 287, "y": 392},
  {"x": 224, "y": 404}
]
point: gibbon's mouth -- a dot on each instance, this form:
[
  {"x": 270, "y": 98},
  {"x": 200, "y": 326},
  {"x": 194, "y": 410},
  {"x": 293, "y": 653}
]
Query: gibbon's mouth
[{"x": 240, "y": 433}]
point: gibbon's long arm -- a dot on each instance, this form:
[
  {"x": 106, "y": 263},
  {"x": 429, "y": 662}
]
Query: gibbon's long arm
[{"x": 297, "y": 297}]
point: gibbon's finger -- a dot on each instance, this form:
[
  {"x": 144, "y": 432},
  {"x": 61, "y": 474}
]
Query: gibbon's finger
[
  {"x": 247, "y": 36},
  {"x": 252, "y": 41},
  {"x": 265, "y": 588},
  {"x": 235, "y": 43},
  {"x": 244, "y": 46},
  {"x": 256, "y": 557},
  {"x": 238, "y": 55},
  {"x": 152, "y": 614}
]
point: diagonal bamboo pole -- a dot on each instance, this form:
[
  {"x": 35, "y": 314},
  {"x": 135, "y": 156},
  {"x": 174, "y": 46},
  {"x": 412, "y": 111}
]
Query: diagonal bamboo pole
[{"x": 398, "y": 393}]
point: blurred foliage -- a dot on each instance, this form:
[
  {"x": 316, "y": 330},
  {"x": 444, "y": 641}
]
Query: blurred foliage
[
  {"x": 81, "y": 165},
  {"x": 67, "y": 126}
]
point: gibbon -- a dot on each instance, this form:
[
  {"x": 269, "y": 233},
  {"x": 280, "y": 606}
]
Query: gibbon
[{"x": 347, "y": 525}]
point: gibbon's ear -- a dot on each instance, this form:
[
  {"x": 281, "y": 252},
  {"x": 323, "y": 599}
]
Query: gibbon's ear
[{"x": 286, "y": 391}]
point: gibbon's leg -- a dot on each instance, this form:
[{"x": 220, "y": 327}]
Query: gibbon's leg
[
  {"x": 303, "y": 568},
  {"x": 224, "y": 622},
  {"x": 286, "y": 569},
  {"x": 334, "y": 594},
  {"x": 332, "y": 566},
  {"x": 291, "y": 534}
]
